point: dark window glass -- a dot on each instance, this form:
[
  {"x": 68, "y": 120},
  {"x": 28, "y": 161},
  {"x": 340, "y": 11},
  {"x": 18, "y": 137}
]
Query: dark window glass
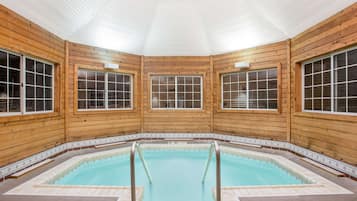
[{"x": 14, "y": 61}]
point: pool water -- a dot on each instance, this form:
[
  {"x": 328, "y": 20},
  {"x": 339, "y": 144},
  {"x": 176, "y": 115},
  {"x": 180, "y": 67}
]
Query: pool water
[{"x": 177, "y": 174}]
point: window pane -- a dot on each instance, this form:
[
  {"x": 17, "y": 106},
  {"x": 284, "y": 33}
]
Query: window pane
[
  {"x": 352, "y": 89},
  {"x": 39, "y": 67},
  {"x": 352, "y": 105},
  {"x": 30, "y": 65},
  {"x": 14, "y": 90},
  {"x": 30, "y": 92},
  {"x": 3, "y": 105},
  {"x": 3, "y": 58},
  {"x": 30, "y": 78},
  {"x": 340, "y": 75},
  {"x": 48, "y": 105},
  {"x": 340, "y": 90},
  {"x": 317, "y": 79},
  {"x": 340, "y": 105},
  {"x": 340, "y": 60},
  {"x": 48, "y": 69},
  {"x": 14, "y": 105},
  {"x": 327, "y": 64},
  {"x": 308, "y": 68},
  {"x": 3, "y": 91},
  {"x": 317, "y": 67},
  {"x": 14, "y": 76},
  {"x": 326, "y": 105},
  {"x": 352, "y": 57},
  {"x": 308, "y": 104},
  {"x": 14, "y": 61},
  {"x": 3, "y": 74},
  {"x": 308, "y": 80},
  {"x": 39, "y": 80},
  {"x": 317, "y": 104},
  {"x": 40, "y": 105},
  {"x": 352, "y": 73},
  {"x": 308, "y": 92},
  {"x": 30, "y": 106}
]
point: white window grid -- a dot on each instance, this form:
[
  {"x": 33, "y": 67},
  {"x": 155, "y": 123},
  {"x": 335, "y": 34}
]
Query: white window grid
[
  {"x": 46, "y": 86},
  {"x": 247, "y": 101},
  {"x": 102, "y": 102},
  {"x": 334, "y": 82},
  {"x": 186, "y": 94},
  {"x": 319, "y": 102},
  {"x": 22, "y": 98},
  {"x": 120, "y": 95},
  {"x": 11, "y": 98}
]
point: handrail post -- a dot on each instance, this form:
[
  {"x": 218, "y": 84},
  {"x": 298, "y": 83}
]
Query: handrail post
[
  {"x": 132, "y": 168},
  {"x": 132, "y": 172},
  {"x": 218, "y": 168},
  {"x": 218, "y": 171}
]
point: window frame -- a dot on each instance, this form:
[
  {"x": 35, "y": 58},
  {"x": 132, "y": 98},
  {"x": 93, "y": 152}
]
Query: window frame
[
  {"x": 23, "y": 74},
  {"x": 133, "y": 88},
  {"x": 23, "y": 86},
  {"x": 175, "y": 75},
  {"x": 332, "y": 83},
  {"x": 220, "y": 99}
]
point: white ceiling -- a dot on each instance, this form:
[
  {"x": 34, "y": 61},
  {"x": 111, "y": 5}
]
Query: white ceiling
[{"x": 176, "y": 27}]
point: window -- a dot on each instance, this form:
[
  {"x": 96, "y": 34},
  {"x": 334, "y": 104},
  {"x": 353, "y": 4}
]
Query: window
[
  {"x": 250, "y": 90},
  {"x": 38, "y": 86},
  {"x": 176, "y": 92},
  {"x": 330, "y": 83},
  {"x": 103, "y": 90},
  {"x": 10, "y": 70},
  {"x": 26, "y": 85}
]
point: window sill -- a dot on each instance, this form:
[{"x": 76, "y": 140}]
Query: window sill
[
  {"x": 26, "y": 117},
  {"x": 327, "y": 116},
  {"x": 249, "y": 111},
  {"x": 176, "y": 110},
  {"x": 94, "y": 112}
]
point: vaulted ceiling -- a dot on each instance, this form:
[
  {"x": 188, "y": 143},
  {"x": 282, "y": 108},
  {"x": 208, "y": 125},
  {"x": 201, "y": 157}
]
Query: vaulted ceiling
[{"x": 176, "y": 27}]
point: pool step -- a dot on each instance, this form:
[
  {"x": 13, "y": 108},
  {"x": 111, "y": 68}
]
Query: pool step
[
  {"x": 330, "y": 170},
  {"x": 29, "y": 169}
]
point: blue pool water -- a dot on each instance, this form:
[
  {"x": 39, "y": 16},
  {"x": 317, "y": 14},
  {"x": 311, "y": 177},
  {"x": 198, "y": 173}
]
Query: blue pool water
[{"x": 177, "y": 174}]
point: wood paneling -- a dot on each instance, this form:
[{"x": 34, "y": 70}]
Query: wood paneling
[
  {"x": 272, "y": 125},
  {"x": 25, "y": 135},
  {"x": 177, "y": 120},
  {"x": 333, "y": 135},
  {"x": 94, "y": 124}
]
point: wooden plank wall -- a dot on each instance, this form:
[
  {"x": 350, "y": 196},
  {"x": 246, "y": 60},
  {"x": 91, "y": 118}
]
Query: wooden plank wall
[
  {"x": 272, "y": 125},
  {"x": 333, "y": 135},
  {"x": 87, "y": 125},
  {"x": 174, "y": 120},
  {"x": 22, "y": 136}
]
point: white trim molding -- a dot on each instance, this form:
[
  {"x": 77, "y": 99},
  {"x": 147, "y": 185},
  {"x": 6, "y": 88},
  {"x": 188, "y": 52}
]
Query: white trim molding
[{"x": 320, "y": 158}]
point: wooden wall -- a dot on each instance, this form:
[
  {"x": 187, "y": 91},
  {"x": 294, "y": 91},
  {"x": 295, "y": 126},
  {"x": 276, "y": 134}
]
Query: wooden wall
[
  {"x": 93, "y": 124},
  {"x": 177, "y": 120},
  {"x": 22, "y": 136},
  {"x": 333, "y": 135},
  {"x": 260, "y": 124}
]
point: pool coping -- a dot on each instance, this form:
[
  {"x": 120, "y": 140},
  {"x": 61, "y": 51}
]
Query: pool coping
[
  {"x": 318, "y": 157},
  {"x": 39, "y": 184}
]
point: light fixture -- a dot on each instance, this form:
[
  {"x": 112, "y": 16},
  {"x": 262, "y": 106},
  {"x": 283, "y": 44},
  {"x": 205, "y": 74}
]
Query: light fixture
[
  {"x": 111, "y": 65},
  {"x": 242, "y": 64}
]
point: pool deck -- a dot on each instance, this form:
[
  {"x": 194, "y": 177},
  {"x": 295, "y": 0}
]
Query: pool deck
[{"x": 342, "y": 181}]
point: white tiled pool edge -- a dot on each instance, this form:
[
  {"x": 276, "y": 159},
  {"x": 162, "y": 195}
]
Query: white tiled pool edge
[
  {"x": 328, "y": 161},
  {"x": 39, "y": 185}
]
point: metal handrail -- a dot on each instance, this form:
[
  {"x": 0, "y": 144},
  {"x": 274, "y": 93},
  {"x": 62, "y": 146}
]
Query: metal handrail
[
  {"x": 218, "y": 168},
  {"x": 132, "y": 168}
]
